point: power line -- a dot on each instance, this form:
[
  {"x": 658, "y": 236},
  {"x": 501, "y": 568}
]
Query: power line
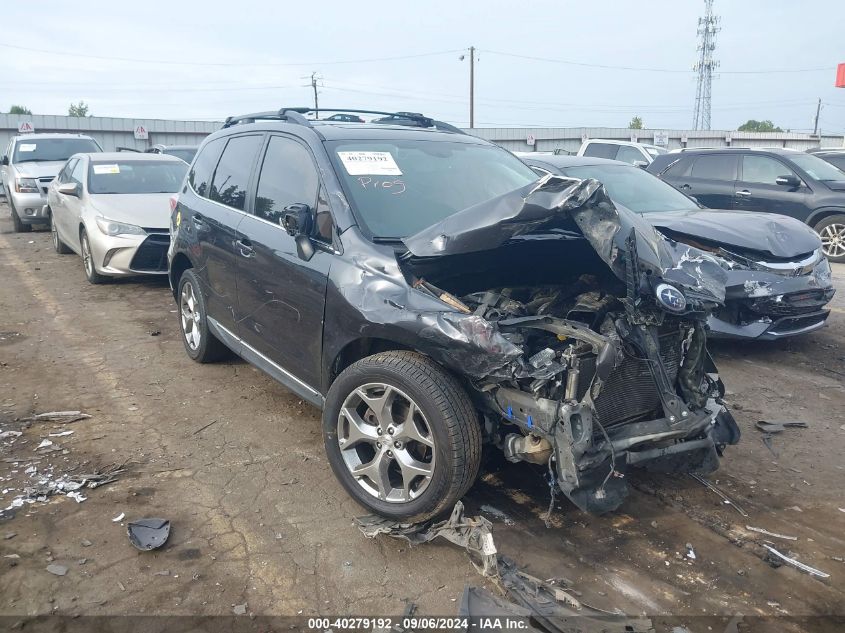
[
  {"x": 569, "y": 62},
  {"x": 227, "y": 64}
]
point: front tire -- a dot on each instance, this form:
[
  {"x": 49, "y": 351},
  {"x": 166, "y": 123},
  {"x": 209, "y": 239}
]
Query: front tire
[
  {"x": 88, "y": 260},
  {"x": 17, "y": 224},
  {"x": 831, "y": 230},
  {"x": 58, "y": 245},
  {"x": 200, "y": 344},
  {"x": 401, "y": 435}
]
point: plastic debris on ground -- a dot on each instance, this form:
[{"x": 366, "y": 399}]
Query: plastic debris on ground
[
  {"x": 725, "y": 498},
  {"x": 780, "y": 558},
  {"x": 148, "y": 534},
  {"x": 767, "y": 533},
  {"x": 550, "y": 607}
]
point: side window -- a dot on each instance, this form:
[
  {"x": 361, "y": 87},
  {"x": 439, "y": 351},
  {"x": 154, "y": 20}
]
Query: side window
[
  {"x": 630, "y": 155},
  {"x": 680, "y": 167},
  {"x": 67, "y": 170},
  {"x": 601, "y": 150},
  {"x": 288, "y": 176},
  {"x": 715, "y": 167},
  {"x": 231, "y": 177},
  {"x": 77, "y": 172},
  {"x": 763, "y": 170},
  {"x": 203, "y": 167}
]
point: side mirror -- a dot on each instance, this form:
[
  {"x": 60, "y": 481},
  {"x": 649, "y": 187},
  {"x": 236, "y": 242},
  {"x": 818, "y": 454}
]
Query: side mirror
[
  {"x": 788, "y": 181},
  {"x": 640, "y": 163},
  {"x": 69, "y": 189},
  {"x": 4, "y": 160},
  {"x": 297, "y": 220}
]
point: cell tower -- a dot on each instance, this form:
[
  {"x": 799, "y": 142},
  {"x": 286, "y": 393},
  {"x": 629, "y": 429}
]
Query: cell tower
[{"x": 708, "y": 26}]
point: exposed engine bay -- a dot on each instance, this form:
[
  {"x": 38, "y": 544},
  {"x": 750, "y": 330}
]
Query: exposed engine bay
[{"x": 600, "y": 353}]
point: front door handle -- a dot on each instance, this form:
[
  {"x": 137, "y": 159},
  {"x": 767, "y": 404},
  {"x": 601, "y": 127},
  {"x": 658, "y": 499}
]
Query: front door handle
[
  {"x": 245, "y": 248},
  {"x": 743, "y": 193}
]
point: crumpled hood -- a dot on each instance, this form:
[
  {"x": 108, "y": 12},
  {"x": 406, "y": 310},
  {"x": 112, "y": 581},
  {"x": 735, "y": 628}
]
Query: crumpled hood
[
  {"x": 150, "y": 210},
  {"x": 555, "y": 203},
  {"x": 776, "y": 235},
  {"x": 39, "y": 169}
]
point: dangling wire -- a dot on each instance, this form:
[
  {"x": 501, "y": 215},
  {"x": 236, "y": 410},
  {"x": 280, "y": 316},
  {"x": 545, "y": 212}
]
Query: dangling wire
[
  {"x": 547, "y": 519},
  {"x": 600, "y": 492}
]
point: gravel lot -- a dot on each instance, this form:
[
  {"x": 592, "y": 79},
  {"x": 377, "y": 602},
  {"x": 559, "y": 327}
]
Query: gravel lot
[{"x": 236, "y": 463}]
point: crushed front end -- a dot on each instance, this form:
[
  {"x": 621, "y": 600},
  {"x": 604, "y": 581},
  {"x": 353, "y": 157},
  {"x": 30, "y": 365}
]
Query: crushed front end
[{"x": 598, "y": 330}]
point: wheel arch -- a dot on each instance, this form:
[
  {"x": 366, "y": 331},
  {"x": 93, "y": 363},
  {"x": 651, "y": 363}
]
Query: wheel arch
[
  {"x": 824, "y": 212},
  {"x": 178, "y": 266},
  {"x": 359, "y": 348}
]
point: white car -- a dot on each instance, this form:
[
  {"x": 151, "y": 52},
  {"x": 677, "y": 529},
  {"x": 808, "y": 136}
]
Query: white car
[
  {"x": 638, "y": 154},
  {"x": 113, "y": 209}
]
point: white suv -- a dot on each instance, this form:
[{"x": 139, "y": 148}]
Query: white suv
[{"x": 639, "y": 154}]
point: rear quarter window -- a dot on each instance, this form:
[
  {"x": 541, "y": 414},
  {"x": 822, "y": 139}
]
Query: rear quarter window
[
  {"x": 601, "y": 150},
  {"x": 715, "y": 167}
]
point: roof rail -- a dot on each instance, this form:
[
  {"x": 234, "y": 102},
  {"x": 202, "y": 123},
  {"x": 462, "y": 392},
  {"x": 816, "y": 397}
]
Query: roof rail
[
  {"x": 120, "y": 148},
  {"x": 296, "y": 115}
]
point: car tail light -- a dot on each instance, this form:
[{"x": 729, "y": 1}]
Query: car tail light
[{"x": 174, "y": 200}]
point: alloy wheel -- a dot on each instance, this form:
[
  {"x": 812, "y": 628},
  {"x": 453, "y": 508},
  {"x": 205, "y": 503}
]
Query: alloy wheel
[
  {"x": 190, "y": 315},
  {"x": 386, "y": 442},
  {"x": 87, "y": 260},
  {"x": 54, "y": 234},
  {"x": 833, "y": 240}
]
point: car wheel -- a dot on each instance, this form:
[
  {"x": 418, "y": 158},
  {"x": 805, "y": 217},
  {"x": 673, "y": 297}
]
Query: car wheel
[
  {"x": 58, "y": 245},
  {"x": 832, "y": 232},
  {"x": 17, "y": 224},
  {"x": 201, "y": 345},
  {"x": 401, "y": 435},
  {"x": 88, "y": 260}
]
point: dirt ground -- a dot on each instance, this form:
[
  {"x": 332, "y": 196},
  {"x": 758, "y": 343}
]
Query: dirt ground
[{"x": 236, "y": 463}]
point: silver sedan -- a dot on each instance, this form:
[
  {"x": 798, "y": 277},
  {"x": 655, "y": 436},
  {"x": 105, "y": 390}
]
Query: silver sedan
[{"x": 113, "y": 209}]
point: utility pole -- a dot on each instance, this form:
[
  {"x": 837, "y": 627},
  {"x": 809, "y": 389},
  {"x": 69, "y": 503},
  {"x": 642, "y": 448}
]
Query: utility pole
[
  {"x": 816, "y": 125},
  {"x": 316, "y": 103},
  {"x": 471, "y": 85}
]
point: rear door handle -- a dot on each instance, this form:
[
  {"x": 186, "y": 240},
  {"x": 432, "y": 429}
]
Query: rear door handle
[
  {"x": 743, "y": 193},
  {"x": 245, "y": 248}
]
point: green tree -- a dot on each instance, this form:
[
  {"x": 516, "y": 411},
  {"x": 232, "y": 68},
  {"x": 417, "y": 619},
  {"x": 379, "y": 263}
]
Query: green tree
[
  {"x": 636, "y": 123},
  {"x": 19, "y": 109},
  {"x": 752, "y": 125},
  {"x": 78, "y": 109}
]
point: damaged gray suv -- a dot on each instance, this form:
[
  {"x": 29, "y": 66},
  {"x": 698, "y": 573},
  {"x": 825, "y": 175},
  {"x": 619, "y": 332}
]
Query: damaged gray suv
[{"x": 431, "y": 295}]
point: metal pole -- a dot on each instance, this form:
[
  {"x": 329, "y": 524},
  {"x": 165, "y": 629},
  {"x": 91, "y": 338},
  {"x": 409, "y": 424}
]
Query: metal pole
[
  {"x": 316, "y": 104},
  {"x": 816, "y": 126},
  {"x": 471, "y": 87}
]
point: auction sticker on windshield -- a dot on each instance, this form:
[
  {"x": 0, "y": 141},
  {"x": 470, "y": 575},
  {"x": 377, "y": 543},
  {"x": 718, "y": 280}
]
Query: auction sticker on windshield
[
  {"x": 106, "y": 169},
  {"x": 369, "y": 164},
  {"x": 27, "y": 147}
]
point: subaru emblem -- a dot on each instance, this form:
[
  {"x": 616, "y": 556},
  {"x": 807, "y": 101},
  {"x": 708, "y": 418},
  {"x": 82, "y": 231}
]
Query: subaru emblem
[{"x": 671, "y": 298}]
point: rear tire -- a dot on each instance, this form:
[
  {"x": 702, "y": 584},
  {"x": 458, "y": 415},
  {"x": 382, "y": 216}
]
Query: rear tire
[
  {"x": 58, "y": 245},
  {"x": 831, "y": 230},
  {"x": 409, "y": 431},
  {"x": 200, "y": 344},
  {"x": 17, "y": 224},
  {"x": 88, "y": 261}
]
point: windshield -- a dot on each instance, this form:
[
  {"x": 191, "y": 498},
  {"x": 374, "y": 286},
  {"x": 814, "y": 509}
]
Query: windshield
[
  {"x": 136, "y": 177},
  {"x": 43, "y": 149},
  {"x": 186, "y": 154},
  {"x": 656, "y": 151},
  {"x": 817, "y": 168},
  {"x": 400, "y": 187},
  {"x": 634, "y": 188}
]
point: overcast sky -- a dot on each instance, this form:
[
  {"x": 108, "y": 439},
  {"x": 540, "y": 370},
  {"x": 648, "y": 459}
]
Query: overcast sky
[{"x": 206, "y": 60}]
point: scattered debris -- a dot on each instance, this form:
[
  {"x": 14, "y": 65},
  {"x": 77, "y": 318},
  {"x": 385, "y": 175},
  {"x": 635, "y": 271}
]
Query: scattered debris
[
  {"x": 724, "y": 497},
  {"x": 204, "y": 427},
  {"x": 690, "y": 551},
  {"x": 119, "y": 518},
  {"x": 239, "y": 609},
  {"x": 61, "y": 417},
  {"x": 155, "y": 332},
  {"x": 58, "y": 570},
  {"x": 76, "y": 496},
  {"x": 148, "y": 534},
  {"x": 496, "y": 513},
  {"x": 164, "y": 572},
  {"x": 60, "y": 434},
  {"x": 9, "y": 535},
  {"x": 44, "y": 444},
  {"x": 779, "y": 427},
  {"x": 7, "y": 434},
  {"x": 798, "y": 565},
  {"x": 767, "y": 533},
  {"x": 86, "y": 543},
  {"x": 543, "y": 601}
]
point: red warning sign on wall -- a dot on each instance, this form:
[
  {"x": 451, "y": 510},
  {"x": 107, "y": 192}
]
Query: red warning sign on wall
[{"x": 840, "y": 76}]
